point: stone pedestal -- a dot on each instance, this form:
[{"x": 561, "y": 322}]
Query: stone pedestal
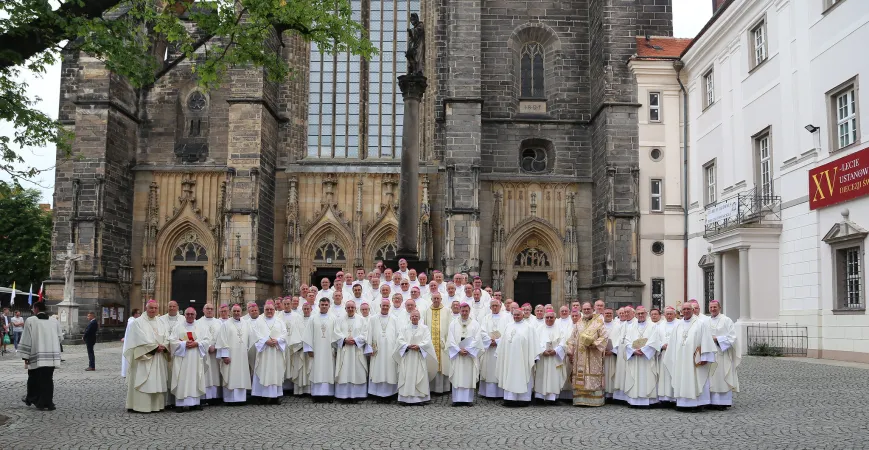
[
  {"x": 67, "y": 312},
  {"x": 412, "y": 89}
]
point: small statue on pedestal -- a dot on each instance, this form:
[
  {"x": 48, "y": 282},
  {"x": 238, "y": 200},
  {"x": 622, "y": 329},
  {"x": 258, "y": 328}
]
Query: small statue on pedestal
[{"x": 415, "y": 53}]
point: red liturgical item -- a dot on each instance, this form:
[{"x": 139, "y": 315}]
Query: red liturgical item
[{"x": 189, "y": 335}]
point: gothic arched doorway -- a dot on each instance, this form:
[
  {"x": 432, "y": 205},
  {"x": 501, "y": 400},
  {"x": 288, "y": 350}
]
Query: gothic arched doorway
[
  {"x": 329, "y": 259},
  {"x": 531, "y": 282},
  {"x": 189, "y": 277}
]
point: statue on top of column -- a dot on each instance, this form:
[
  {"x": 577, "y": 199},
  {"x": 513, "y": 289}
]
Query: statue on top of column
[{"x": 415, "y": 53}]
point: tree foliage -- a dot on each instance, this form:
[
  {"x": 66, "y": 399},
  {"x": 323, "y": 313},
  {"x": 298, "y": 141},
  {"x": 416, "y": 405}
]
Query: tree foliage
[
  {"x": 128, "y": 35},
  {"x": 25, "y": 238}
]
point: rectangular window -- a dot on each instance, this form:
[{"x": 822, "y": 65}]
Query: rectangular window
[
  {"x": 763, "y": 171},
  {"x": 850, "y": 277},
  {"x": 708, "y": 285},
  {"x": 656, "y": 204},
  {"x": 758, "y": 44},
  {"x": 846, "y": 117},
  {"x": 654, "y": 107},
  {"x": 709, "y": 183},
  {"x": 709, "y": 88},
  {"x": 658, "y": 293}
]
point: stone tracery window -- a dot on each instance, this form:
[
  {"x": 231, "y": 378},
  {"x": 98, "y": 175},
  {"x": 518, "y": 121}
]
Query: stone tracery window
[
  {"x": 386, "y": 252},
  {"x": 330, "y": 252},
  {"x": 532, "y": 257},
  {"x": 531, "y": 70},
  {"x": 190, "y": 250}
]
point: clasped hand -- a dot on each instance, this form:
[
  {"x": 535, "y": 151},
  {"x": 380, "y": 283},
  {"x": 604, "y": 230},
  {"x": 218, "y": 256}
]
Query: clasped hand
[
  {"x": 413, "y": 347},
  {"x": 192, "y": 344},
  {"x": 160, "y": 349},
  {"x": 271, "y": 342},
  {"x": 349, "y": 341},
  {"x": 463, "y": 352}
]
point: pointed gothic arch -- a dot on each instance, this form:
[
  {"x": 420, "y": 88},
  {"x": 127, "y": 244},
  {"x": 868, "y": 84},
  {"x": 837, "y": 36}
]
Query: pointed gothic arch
[
  {"x": 326, "y": 235},
  {"x": 381, "y": 234},
  {"x": 535, "y": 245},
  {"x": 184, "y": 229}
]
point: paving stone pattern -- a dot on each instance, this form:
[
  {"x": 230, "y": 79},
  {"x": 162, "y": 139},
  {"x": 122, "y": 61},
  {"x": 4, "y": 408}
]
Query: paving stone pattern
[{"x": 784, "y": 404}]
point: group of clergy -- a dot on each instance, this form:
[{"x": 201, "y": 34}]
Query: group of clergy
[{"x": 370, "y": 337}]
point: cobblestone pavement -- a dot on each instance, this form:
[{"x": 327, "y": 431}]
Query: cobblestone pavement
[{"x": 783, "y": 404}]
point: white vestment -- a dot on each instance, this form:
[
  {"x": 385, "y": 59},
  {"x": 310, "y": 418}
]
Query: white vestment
[
  {"x": 148, "y": 377},
  {"x": 301, "y": 362},
  {"x": 492, "y": 329},
  {"x": 610, "y": 361},
  {"x": 416, "y": 368},
  {"x": 665, "y": 382},
  {"x": 233, "y": 342},
  {"x": 479, "y": 310},
  {"x": 400, "y": 315},
  {"x": 551, "y": 371},
  {"x": 690, "y": 344},
  {"x": 351, "y": 366},
  {"x": 641, "y": 371},
  {"x": 125, "y": 365},
  {"x": 188, "y": 365},
  {"x": 519, "y": 349},
  {"x": 383, "y": 370},
  {"x": 723, "y": 378},
  {"x": 212, "y": 364},
  {"x": 269, "y": 367},
  {"x": 293, "y": 324},
  {"x": 319, "y": 338},
  {"x": 438, "y": 322},
  {"x": 464, "y": 369}
]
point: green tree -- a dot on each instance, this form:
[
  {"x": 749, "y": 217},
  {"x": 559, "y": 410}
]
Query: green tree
[
  {"x": 128, "y": 36},
  {"x": 25, "y": 239}
]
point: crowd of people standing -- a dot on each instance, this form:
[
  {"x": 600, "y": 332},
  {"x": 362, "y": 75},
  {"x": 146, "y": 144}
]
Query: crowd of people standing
[{"x": 397, "y": 336}]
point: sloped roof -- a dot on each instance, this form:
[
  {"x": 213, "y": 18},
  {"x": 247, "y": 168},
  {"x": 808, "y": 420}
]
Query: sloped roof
[{"x": 660, "y": 47}]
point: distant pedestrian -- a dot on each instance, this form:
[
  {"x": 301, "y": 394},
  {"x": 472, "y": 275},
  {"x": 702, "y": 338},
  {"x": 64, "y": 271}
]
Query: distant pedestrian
[
  {"x": 40, "y": 349},
  {"x": 17, "y": 329},
  {"x": 90, "y": 339},
  {"x": 5, "y": 330}
]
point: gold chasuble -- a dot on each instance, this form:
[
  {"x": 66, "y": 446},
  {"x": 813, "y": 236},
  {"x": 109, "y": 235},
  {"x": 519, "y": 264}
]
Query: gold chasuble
[{"x": 587, "y": 344}]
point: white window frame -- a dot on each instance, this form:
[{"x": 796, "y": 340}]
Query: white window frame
[
  {"x": 709, "y": 88},
  {"x": 659, "y": 196},
  {"x": 845, "y": 104},
  {"x": 655, "y": 107},
  {"x": 710, "y": 194},
  {"x": 759, "y": 44},
  {"x": 764, "y": 182}
]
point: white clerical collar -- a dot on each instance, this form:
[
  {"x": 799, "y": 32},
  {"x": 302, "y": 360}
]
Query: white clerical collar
[
  {"x": 351, "y": 317},
  {"x": 384, "y": 315},
  {"x": 288, "y": 312},
  {"x": 396, "y": 308},
  {"x": 414, "y": 326},
  {"x": 641, "y": 323},
  {"x": 324, "y": 315},
  {"x": 270, "y": 319},
  {"x": 189, "y": 325},
  {"x": 496, "y": 315},
  {"x": 237, "y": 320}
]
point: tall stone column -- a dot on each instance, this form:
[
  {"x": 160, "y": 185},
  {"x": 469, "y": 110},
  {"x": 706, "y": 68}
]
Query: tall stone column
[
  {"x": 412, "y": 89},
  {"x": 744, "y": 286}
]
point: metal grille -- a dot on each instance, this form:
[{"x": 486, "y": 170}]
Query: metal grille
[
  {"x": 853, "y": 286},
  {"x": 778, "y": 340},
  {"x": 708, "y": 285},
  {"x": 752, "y": 207}
]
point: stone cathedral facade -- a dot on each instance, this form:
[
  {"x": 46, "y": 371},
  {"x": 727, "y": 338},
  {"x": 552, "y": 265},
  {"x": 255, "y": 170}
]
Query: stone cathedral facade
[{"x": 528, "y": 168}]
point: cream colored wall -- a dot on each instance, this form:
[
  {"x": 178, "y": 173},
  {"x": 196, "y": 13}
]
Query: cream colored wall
[{"x": 666, "y": 226}]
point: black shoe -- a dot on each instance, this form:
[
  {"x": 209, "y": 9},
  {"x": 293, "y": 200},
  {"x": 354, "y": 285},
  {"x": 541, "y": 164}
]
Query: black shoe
[
  {"x": 47, "y": 408},
  {"x": 26, "y": 402}
]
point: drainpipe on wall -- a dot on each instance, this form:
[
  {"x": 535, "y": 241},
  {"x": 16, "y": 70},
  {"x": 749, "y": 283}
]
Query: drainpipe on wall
[{"x": 678, "y": 65}]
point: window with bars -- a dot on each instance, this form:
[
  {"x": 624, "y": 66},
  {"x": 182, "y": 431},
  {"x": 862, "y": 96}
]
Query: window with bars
[
  {"x": 658, "y": 293},
  {"x": 708, "y": 285},
  {"x": 657, "y": 204},
  {"x": 850, "y": 277},
  {"x": 654, "y": 107},
  {"x": 531, "y": 69},
  {"x": 758, "y": 44},
  {"x": 709, "y": 89},
  {"x": 710, "y": 194},
  {"x": 763, "y": 171},
  {"x": 845, "y": 112}
]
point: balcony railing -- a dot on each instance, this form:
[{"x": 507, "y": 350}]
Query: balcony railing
[{"x": 751, "y": 208}]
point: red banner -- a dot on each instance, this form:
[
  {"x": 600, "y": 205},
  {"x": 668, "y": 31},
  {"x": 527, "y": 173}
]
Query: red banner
[{"x": 841, "y": 180}]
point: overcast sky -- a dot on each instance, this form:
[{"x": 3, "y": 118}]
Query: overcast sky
[{"x": 689, "y": 16}]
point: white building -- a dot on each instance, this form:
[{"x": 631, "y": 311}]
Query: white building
[
  {"x": 774, "y": 94},
  {"x": 662, "y": 212}
]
